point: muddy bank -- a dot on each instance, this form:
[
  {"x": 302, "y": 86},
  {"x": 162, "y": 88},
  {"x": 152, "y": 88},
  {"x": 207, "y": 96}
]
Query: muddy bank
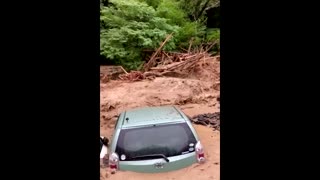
[{"x": 118, "y": 96}]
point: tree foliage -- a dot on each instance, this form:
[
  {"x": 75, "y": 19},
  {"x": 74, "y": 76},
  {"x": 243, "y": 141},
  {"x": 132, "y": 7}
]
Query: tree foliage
[
  {"x": 196, "y": 8},
  {"x": 129, "y": 26},
  {"x": 153, "y": 3}
]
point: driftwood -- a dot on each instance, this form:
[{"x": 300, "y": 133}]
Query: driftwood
[
  {"x": 152, "y": 59},
  {"x": 209, "y": 119},
  {"x": 172, "y": 64},
  {"x": 155, "y": 74},
  {"x": 190, "y": 45},
  {"x": 132, "y": 76},
  {"x": 165, "y": 73},
  {"x": 123, "y": 70},
  {"x": 111, "y": 72}
]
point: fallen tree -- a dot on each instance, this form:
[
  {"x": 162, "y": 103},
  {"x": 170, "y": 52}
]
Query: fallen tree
[{"x": 171, "y": 64}]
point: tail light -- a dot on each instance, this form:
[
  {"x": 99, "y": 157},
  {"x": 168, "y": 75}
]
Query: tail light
[
  {"x": 114, "y": 162},
  {"x": 200, "y": 153}
]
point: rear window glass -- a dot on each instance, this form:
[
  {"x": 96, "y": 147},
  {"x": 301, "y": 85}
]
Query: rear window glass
[{"x": 169, "y": 140}]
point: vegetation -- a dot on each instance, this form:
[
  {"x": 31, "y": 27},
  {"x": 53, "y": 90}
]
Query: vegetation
[{"x": 129, "y": 26}]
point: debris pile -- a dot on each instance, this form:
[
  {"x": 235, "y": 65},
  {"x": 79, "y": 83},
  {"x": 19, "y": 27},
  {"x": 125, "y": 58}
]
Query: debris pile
[
  {"x": 170, "y": 64},
  {"x": 132, "y": 76},
  {"x": 110, "y": 72},
  {"x": 208, "y": 119},
  {"x": 179, "y": 61},
  {"x": 164, "y": 63}
]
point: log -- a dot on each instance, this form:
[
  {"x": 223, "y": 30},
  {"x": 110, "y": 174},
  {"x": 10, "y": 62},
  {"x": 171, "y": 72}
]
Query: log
[
  {"x": 158, "y": 68},
  {"x": 148, "y": 74},
  {"x": 173, "y": 74},
  {"x": 151, "y": 61},
  {"x": 190, "y": 45},
  {"x": 211, "y": 46},
  {"x": 123, "y": 70}
]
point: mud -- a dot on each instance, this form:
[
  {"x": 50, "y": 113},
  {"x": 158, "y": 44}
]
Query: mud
[{"x": 195, "y": 95}]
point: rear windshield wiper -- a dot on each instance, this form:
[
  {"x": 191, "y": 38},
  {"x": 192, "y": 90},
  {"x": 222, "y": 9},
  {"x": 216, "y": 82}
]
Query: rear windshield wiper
[{"x": 152, "y": 155}]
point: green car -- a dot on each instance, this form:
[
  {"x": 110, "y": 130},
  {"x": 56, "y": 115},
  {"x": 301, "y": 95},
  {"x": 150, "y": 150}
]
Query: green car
[{"x": 154, "y": 139}]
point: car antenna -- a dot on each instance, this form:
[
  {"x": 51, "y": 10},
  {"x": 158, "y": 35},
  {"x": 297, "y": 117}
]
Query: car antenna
[{"x": 127, "y": 119}]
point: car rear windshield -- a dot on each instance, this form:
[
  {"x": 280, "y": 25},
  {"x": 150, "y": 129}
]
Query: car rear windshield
[{"x": 169, "y": 140}]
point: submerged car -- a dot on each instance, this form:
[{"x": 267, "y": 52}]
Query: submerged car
[{"x": 154, "y": 139}]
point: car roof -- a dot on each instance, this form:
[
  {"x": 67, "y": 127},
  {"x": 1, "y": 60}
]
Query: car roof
[{"x": 151, "y": 115}]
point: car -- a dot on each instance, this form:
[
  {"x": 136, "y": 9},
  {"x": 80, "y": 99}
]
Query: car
[
  {"x": 104, "y": 151},
  {"x": 153, "y": 140}
]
